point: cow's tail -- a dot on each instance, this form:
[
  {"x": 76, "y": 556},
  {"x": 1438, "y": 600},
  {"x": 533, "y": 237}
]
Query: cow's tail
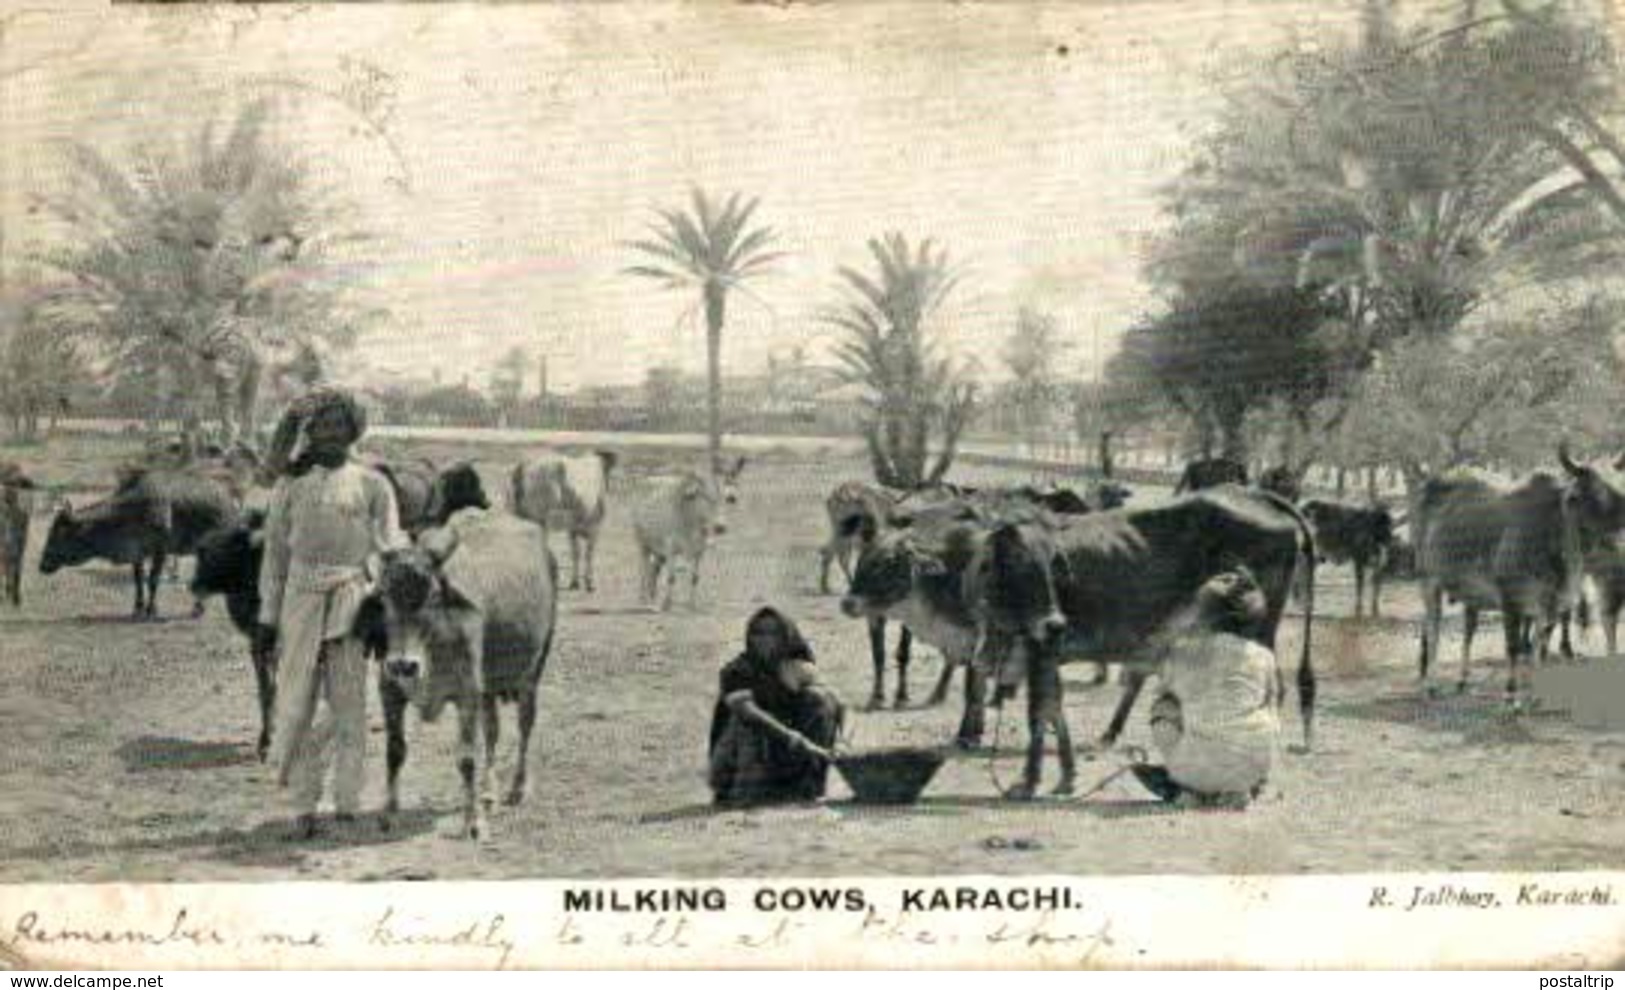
[{"x": 1307, "y": 555}]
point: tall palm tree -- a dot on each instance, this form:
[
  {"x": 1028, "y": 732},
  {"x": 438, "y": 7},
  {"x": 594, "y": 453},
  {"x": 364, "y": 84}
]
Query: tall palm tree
[
  {"x": 715, "y": 251},
  {"x": 888, "y": 348}
]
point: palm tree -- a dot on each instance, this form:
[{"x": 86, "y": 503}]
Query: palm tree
[
  {"x": 913, "y": 389},
  {"x": 716, "y": 251}
]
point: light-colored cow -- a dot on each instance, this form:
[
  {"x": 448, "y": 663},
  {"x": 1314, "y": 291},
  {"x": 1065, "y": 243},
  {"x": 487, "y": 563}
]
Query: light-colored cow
[
  {"x": 570, "y": 494},
  {"x": 673, "y": 521},
  {"x": 471, "y": 611}
]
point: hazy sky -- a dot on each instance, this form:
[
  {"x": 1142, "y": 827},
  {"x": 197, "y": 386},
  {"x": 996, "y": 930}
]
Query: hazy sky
[{"x": 537, "y": 138}]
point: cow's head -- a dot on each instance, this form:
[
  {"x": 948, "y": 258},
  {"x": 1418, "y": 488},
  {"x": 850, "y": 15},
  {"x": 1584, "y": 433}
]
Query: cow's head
[
  {"x": 728, "y": 481},
  {"x": 699, "y": 506},
  {"x": 887, "y": 572},
  {"x": 1016, "y": 569},
  {"x": 456, "y": 488},
  {"x": 66, "y": 544},
  {"x": 229, "y": 557},
  {"x": 1112, "y": 495},
  {"x": 1594, "y": 495},
  {"x": 428, "y": 622}
]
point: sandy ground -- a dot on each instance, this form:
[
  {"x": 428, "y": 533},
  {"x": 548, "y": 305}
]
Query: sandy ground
[{"x": 127, "y": 749}]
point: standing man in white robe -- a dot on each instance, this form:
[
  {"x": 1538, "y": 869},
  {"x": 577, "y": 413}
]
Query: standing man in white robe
[{"x": 329, "y": 517}]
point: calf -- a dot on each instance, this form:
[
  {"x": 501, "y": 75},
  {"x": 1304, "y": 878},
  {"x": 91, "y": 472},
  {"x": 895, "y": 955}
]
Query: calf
[
  {"x": 1109, "y": 586},
  {"x": 673, "y": 522},
  {"x": 16, "y": 506},
  {"x": 1209, "y": 472},
  {"x": 1354, "y": 534},
  {"x": 157, "y": 514},
  {"x": 471, "y": 612},
  {"x": 569, "y": 493}
]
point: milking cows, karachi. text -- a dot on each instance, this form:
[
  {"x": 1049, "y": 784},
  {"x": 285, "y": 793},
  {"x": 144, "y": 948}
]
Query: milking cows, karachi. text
[
  {"x": 798, "y": 899},
  {"x": 1524, "y": 895}
]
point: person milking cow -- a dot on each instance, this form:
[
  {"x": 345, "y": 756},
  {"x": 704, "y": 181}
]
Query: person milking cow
[
  {"x": 329, "y": 517},
  {"x": 774, "y": 723},
  {"x": 1214, "y": 721}
]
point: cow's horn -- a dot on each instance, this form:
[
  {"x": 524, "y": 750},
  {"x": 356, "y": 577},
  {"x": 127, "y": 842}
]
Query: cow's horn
[{"x": 1564, "y": 458}]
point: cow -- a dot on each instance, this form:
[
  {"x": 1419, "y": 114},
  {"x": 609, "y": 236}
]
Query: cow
[
  {"x": 902, "y": 575},
  {"x": 1112, "y": 585},
  {"x": 1518, "y": 549},
  {"x": 569, "y": 493},
  {"x": 228, "y": 564},
  {"x": 847, "y": 506},
  {"x": 1353, "y": 534},
  {"x": 673, "y": 521},
  {"x": 16, "y": 506},
  {"x": 158, "y": 514},
  {"x": 1283, "y": 481},
  {"x": 426, "y": 496},
  {"x": 1208, "y": 472},
  {"x": 470, "y": 614},
  {"x": 1605, "y": 568},
  {"x": 728, "y": 480}
]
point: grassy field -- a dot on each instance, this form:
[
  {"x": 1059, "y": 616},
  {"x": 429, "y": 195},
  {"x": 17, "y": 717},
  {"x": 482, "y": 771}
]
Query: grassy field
[{"x": 128, "y": 746}]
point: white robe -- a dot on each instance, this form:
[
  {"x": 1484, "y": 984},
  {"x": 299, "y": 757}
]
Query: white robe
[{"x": 323, "y": 529}]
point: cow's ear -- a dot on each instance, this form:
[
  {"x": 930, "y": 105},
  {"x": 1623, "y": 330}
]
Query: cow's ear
[
  {"x": 1564, "y": 459},
  {"x": 929, "y": 564},
  {"x": 1619, "y": 465},
  {"x": 439, "y": 544}
]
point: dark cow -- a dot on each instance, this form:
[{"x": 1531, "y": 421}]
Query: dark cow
[
  {"x": 1283, "y": 481},
  {"x": 1361, "y": 535},
  {"x": 426, "y": 496},
  {"x": 910, "y": 572},
  {"x": 158, "y": 514},
  {"x": 1208, "y": 472},
  {"x": 1517, "y": 549},
  {"x": 1109, "y": 586},
  {"x": 16, "y": 506},
  {"x": 1605, "y": 567},
  {"x": 228, "y": 564},
  {"x": 471, "y": 612}
]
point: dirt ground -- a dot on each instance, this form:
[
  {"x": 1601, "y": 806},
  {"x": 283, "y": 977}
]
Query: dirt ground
[{"x": 128, "y": 747}]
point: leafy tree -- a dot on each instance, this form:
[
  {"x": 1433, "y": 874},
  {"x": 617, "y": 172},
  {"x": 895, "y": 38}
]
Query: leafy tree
[
  {"x": 1412, "y": 177},
  {"x": 204, "y": 260},
  {"x": 714, "y": 250},
  {"x": 1030, "y": 355},
  {"x": 1506, "y": 393},
  {"x": 40, "y": 365},
  {"x": 914, "y": 391},
  {"x": 1230, "y": 350}
]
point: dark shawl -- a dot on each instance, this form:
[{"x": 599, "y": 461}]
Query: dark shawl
[{"x": 760, "y": 676}]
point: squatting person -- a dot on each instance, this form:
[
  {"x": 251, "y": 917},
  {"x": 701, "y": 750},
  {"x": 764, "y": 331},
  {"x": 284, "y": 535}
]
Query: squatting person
[
  {"x": 1215, "y": 721},
  {"x": 774, "y": 723},
  {"x": 329, "y": 515}
]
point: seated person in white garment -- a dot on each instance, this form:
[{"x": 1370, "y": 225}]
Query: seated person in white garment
[{"x": 1214, "y": 722}]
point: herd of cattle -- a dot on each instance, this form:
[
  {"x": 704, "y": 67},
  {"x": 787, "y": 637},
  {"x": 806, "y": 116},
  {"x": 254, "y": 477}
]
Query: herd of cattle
[{"x": 1007, "y": 584}]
